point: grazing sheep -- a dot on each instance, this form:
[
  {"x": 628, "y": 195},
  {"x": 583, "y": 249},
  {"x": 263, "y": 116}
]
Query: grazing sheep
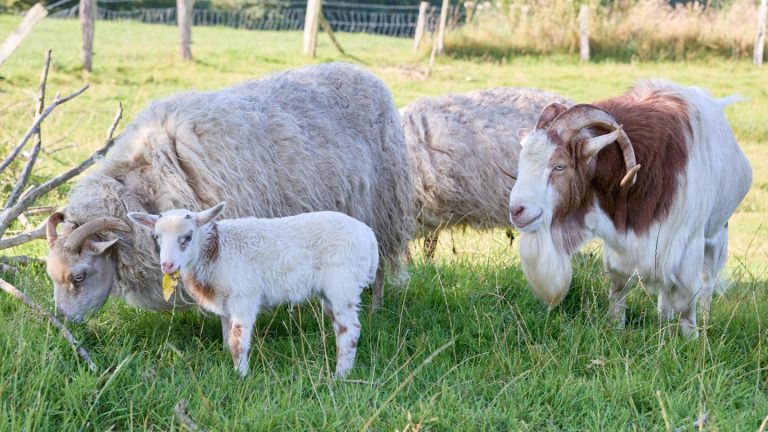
[
  {"x": 668, "y": 226},
  {"x": 236, "y": 268},
  {"x": 456, "y": 145},
  {"x": 324, "y": 137}
]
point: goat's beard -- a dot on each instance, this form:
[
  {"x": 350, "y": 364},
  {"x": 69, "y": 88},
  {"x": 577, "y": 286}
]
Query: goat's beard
[{"x": 546, "y": 266}]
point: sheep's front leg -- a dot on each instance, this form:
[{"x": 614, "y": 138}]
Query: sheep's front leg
[
  {"x": 240, "y": 341},
  {"x": 346, "y": 326}
]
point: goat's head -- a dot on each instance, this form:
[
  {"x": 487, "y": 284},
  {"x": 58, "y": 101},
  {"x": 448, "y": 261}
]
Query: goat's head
[
  {"x": 81, "y": 266},
  {"x": 557, "y": 164},
  {"x": 177, "y": 232}
]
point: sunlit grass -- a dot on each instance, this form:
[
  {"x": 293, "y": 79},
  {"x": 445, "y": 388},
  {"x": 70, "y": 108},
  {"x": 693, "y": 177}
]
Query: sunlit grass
[{"x": 507, "y": 364}]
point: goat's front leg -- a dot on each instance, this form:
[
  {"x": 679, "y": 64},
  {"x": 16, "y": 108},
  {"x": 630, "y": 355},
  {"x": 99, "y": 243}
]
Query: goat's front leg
[
  {"x": 240, "y": 332},
  {"x": 617, "y": 298}
]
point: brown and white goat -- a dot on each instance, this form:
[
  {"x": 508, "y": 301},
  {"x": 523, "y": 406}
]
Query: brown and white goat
[{"x": 666, "y": 226}]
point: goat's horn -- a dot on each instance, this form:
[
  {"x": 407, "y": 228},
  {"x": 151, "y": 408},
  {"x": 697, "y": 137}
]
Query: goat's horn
[
  {"x": 504, "y": 171},
  {"x": 75, "y": 240},
  {"x": 50, "y": 227},
  {"x": 570, "y": 122}
]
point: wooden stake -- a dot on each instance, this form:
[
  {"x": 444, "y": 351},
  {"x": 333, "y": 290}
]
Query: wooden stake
[
  {"x": 311, "y": 21},
  {"x": 762, "y": 12},
  {"x": 327, "y": 28},
  {"x": 584, "y": 32},
  {"x": 441, "y": 32},
  {"x": 32, "y": 17},
  {"x": 184, "y": 9},
  {"x": 420, "y": 24},
  {"x": 87, "y": 24}
]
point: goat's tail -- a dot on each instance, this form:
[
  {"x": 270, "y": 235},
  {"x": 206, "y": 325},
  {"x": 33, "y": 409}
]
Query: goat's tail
[{"x": 732, "y": 99}]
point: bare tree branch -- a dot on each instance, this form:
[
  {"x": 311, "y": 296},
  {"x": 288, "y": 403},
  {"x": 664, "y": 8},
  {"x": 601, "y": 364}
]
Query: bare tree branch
[
  {"x": 34, "y": 211},
  {"x": 57, "y": 100},
  {"x": 9, "y": 242},
  {"x": 9, "y": 215},
  {"x": 27, "y": 171},
  {"x": 12, "y": 290}
]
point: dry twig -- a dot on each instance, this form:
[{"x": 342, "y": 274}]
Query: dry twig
[
  {"x": 181, "y": 414},
  {"x": 12, "y": 290},
  {"x": 22, "y": 238}
]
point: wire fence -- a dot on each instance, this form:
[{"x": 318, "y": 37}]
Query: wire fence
[{"x": 389, "y": 20}]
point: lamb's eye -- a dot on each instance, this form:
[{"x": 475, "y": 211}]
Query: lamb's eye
[
  {"x": 154, "y": 236},
  {"x": 79, "y": 278},
  {"x": 558, "y": 168},
  {"x": 187, "y": 238}
]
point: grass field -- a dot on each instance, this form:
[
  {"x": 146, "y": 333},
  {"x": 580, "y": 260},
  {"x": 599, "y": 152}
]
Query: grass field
[{"x": 464, "y": 347}]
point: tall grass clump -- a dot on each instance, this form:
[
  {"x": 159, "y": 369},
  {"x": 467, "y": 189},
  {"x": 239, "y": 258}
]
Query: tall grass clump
[{"x": 623, "y": 30}]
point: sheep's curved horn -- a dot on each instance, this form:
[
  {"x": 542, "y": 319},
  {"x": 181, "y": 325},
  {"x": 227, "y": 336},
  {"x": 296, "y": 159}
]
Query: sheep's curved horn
[
  {"x": 75, "y": 240},
  {"x": 570, "y": 122},
  {"x": 504, "y": 171},
  {"x": 50, "y": 227}
]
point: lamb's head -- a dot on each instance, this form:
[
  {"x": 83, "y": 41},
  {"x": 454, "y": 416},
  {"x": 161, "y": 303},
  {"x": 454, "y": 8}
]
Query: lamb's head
[
  {"x": 81, "y": 267},
  {"x": 557, "y": 164},
  {"x": 178, "y": 233}
]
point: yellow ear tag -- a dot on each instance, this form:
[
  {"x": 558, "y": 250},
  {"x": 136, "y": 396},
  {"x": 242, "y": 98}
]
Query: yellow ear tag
[{"x": 170, "y": 281}]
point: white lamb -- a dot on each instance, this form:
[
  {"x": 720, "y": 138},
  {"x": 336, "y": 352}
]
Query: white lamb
[{"x": 237, "y": 267}]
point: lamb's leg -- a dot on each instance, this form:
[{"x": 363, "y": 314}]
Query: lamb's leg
[
  {"x": 240, "y": 341},
  {"x": 430, "y": 243},
  {"x": 378, "y": 287},
  {"x": 225, "y": 327},
  {"x": 715, "y": 254},
  {"x": 346, "y": 325}
]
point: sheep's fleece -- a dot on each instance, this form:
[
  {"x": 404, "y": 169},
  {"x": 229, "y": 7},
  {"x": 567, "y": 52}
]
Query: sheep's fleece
[
  {"x": 454, "y": 145},
  {"x": 324, "y": 137}
]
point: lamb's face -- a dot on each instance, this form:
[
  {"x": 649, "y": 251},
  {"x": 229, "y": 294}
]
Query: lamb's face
[{"x": 177, "y": 232}]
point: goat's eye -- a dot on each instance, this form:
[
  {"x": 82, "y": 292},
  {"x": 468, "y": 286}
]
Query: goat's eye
[
  {"x": 558, "y": 168},
  {"x": 79, "y": 278}
]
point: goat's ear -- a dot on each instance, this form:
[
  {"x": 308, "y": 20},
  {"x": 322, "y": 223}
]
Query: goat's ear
[
  {"x": 522, "y": 134},
  {"x": 212, "y": 213},
  {"x": 145, "y": 219},
  {"x": 549, "y": 113},
  {"x": 97, "y": 248}
]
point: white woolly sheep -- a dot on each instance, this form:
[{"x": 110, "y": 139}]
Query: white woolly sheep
[
  {"x": 455, "y": 146},
  {"x": 324, "y": 137},
  {"x": 236, "y": 268},
  {"x": 668, "y": 228}
]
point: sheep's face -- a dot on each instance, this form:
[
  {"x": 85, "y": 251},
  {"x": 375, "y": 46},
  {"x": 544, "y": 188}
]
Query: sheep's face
[
  {"x": 177, "y": 233},
  {"x": 82, "y": 281}
]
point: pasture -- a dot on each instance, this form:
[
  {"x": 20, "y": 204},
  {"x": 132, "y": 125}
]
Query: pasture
[{"x": 465, "y": 346}]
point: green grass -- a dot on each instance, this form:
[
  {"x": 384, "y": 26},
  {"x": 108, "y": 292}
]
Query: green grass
[{"x": 506, "y": 362}]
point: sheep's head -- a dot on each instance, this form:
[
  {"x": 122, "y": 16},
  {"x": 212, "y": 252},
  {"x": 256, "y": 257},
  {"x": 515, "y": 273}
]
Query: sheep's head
[
  {"x": 177, "y": 232},
  {"x": 557, "y": 164},
  {"x": 81, "y": 267}
]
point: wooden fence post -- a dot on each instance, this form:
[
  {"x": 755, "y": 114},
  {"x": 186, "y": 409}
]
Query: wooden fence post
[
  {"x": 87, "y": 24},
  {"x": 311, "y": 20},
  {"x": 757, "y": 55},
  {"x": 184, "y": 9},
  {"x": 32, "y": 17},
  {"x": 441, "y": 31},
  {"x": 420, "y": 24},
  {"x": 584, "y": 32}
]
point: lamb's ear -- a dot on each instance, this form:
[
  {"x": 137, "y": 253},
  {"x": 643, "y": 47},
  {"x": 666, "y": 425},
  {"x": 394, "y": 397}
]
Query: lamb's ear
[
  {"x": 145, "y": 219},
  {"x": 212, "y": 213}
]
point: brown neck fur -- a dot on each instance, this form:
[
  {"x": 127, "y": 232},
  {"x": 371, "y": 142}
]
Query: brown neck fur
[{"x": 658, "y": 126}]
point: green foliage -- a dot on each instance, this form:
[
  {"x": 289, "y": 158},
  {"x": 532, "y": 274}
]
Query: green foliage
[{"x": 511, "y": 364}]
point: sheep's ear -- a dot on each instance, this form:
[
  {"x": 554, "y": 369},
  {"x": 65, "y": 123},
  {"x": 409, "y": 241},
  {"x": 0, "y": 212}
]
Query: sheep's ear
[
  {"x": 145, "y": 219},
  {"x": 212, "y": 213},
  {"x": 97, "y": 248},
  {"x": 522, "y": 134}
]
